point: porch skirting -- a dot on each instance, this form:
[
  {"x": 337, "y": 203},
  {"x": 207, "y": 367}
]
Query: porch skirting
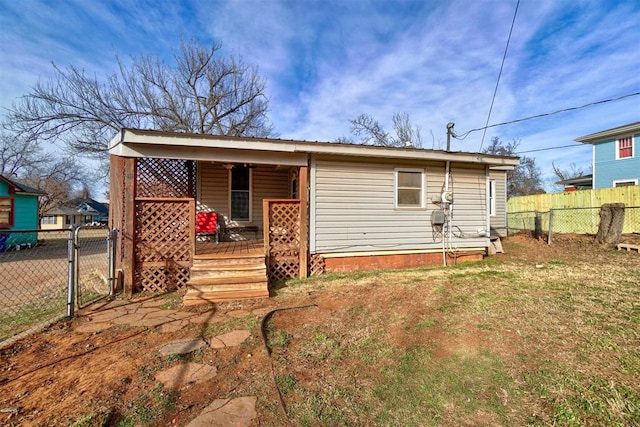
[{"x": 360, "y": 261}]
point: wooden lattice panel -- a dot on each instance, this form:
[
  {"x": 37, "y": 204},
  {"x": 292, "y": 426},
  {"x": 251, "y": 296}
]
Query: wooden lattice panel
[
  {"x": 164, "y": 247},
  {"x": 161, "y": 279},
  {"x": 284, "y": 239},
  {"x": 165, "y": 178},
  {"x": 316, "y": 265}
]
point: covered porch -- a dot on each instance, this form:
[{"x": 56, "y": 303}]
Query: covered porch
[{"x": 259, "y": 199}]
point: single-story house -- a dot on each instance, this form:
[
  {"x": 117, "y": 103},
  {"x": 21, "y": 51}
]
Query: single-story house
[
  {"x": 318, "y": 206},
  {"x": 82, "y": 210},
  {"x": 18, "y": 211},
  {"x": 616, "y": 161}
]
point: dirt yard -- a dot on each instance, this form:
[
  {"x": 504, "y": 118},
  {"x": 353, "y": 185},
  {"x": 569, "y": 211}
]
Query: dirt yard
[{"x": 337, "y": 358}]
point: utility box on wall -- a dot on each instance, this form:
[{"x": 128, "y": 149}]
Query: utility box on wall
[{"x": 437, "y": 217}]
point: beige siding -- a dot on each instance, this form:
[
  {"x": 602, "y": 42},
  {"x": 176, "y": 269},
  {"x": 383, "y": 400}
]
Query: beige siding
[
  {"x": 499, "y": 221},
  {"x": 354, "y": 208},
  {"x": 469, "y": 204},
  {"x": 268, "y": 182}
]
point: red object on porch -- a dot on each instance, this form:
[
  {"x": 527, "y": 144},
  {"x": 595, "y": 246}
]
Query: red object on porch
[{"x": 207, "y": 223}]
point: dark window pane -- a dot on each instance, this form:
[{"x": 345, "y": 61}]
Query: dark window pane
[{"x": 240, "y": 178}]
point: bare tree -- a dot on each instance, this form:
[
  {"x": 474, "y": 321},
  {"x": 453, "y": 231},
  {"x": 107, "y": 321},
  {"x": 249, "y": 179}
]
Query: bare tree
[
  {"x": 526, "y": 178},
  {"x": 201, "y": 92},
  {"x": 18, "y": 154},
  {"x": 371, "y": 132},
  {"x": 57, "y": 179},
  {"x": 573, "y": 171}
]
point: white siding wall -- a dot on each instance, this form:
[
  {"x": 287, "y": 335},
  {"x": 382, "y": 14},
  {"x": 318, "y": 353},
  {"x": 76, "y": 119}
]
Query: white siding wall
[
  {"x": 268, "y": 182},
  {"x": 499, "y": 221},
  {"x": 354, "y": 207}
]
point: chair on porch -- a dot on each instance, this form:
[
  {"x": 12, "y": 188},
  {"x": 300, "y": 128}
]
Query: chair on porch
[{"x": 207, "y": 225}]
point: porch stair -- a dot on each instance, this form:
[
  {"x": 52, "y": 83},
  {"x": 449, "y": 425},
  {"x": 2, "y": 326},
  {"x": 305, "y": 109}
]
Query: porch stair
[{"x": 227, "y": 277}]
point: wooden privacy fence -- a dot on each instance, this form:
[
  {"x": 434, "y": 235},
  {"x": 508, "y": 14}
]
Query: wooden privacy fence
[
  {"x": 284, "y": 238},
  {"x": 630, "y": 196},
  {"x": 165, "y": 240}
]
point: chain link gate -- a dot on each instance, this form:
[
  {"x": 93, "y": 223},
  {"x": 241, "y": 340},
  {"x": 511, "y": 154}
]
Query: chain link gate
[{"x": 92, "y": 264}]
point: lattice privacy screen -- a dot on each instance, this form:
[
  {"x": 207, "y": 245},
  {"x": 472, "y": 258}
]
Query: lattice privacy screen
[
  {"x": 284, "y": 239},
  {"x": 165, "y": 178},
  {"x": 164, "y": 248}
]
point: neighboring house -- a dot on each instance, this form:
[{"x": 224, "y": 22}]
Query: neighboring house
[
  {"x": 78, "y": 211},
  {"x": 18, "y": 211},
  {"x": 584, "y": 182},
  {"x": 342, "y": 207},
  {"x": 616, "y": 156}
]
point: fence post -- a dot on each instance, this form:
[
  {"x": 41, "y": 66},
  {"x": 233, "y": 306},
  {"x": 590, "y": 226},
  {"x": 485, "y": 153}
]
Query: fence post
[
  {"x": 71, "y": 271},
  {"x": 550, "y": 226},
  {"x": 111, "y": 259},
  {"x": 537, "y": 225}
]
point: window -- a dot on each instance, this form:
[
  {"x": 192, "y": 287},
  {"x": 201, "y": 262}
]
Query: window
[
  {"x": 625, "y": 183},
  {"x": 625, "y": 148},
  {"x": 409, "y": 188},
  {"x": 492, "y": 198},
  {"x": 6, "y": 212},
  {"x": 49, "y": 219},
  {"x": 241, "y": 193}
]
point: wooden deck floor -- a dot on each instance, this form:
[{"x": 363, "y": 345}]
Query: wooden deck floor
[{"x": 212, "y": 250}]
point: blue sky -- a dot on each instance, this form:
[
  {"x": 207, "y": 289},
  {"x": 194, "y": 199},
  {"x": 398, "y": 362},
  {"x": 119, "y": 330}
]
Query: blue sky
[{"x": 328, "y": 61}]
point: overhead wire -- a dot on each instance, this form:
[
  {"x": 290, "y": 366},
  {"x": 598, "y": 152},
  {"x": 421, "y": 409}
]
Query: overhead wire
[
  {"x": 504, "y": 57},
  {"x": 537, "y": 116}
]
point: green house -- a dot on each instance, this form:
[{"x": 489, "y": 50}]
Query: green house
[{"x": 18, "y": 211}]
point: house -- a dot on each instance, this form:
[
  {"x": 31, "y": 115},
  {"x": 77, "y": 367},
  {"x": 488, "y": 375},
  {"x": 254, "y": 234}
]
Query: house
[
  {"x": 82, "y": 210},
  {"x": 616, "y": 159},
  {"x": 584, "y": 182},
  {"x": 318, "y": 206},
  {"x": 18, "y": 211}
]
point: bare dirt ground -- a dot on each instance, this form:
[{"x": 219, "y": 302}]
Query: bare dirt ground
[{"x": 63, "y": 376}]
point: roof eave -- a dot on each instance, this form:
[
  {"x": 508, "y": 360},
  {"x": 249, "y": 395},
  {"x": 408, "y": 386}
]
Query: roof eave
[{"x": 609, "y": 133}]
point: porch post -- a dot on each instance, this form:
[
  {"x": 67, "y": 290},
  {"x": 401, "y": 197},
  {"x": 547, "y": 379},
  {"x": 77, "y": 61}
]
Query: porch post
[
  {"x": 129, "y": 231},
  {"x": 303, "y": 184}
]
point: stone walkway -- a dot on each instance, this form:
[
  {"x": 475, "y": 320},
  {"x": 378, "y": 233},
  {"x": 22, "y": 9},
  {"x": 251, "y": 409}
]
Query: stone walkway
[{"x": 150, "y": 313}]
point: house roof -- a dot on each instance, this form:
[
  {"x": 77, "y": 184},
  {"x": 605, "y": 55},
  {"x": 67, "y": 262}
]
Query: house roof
[
  {"x": 16, "y": 187},
  {"x": 610, "y": 133},
  {"x": 79, "y": 206},
  {"x": 173, "y": 145},
  {"x": 579, "y": 180}
]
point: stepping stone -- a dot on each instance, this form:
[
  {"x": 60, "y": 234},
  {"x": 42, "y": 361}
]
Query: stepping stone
[
  {"x": 182, "y": 346},
  {"x": 231, "y": 339},
  {"x": 237, "y": 412},
  {"x": 173, "y": 326},
  {"x": 91, "y": 327},
  {"x": 187, "y": 373}
]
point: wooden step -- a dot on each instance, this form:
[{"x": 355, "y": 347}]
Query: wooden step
[
  {"x": 235, "y": 272},
  {"x": 204, "y": 280},
  {"x": 227, "y": 262},
  {"x": 193, "y": 297},
  {"x": 217, "y": 288}
]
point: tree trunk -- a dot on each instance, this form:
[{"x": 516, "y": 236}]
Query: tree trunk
[{"x": 611, "y": 223}]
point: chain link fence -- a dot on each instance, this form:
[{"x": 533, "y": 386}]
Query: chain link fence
[
  {"x": 567, "y": 221},
  {"x": 46, "y": 274}
]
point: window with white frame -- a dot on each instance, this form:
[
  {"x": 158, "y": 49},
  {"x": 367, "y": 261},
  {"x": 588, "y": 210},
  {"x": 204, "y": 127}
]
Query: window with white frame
[
  {"x": 6, "y": 212},
  {"x": 241, "y": 193},
  {"x": 409, "y": 188},
  {"x": 625, "y": 183},
  {"x": 49, "y": 219},
  {"x": 492, "y": 197},
  {"x": 624, "y": 148}
]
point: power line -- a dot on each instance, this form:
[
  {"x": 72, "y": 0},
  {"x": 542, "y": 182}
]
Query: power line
[
  {"x": 550, "y": 148},
  {"x": 504, "y": 57},
  {"x": 537, "y": 116}
]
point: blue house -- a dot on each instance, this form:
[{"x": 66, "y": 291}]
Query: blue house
[
  {"x": 616, "y": 156},
  {"x": 18, "y": 211}
]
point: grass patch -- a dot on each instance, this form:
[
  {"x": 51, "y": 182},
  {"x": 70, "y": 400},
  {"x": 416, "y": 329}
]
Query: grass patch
[{"x": 422, "y": 390}]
